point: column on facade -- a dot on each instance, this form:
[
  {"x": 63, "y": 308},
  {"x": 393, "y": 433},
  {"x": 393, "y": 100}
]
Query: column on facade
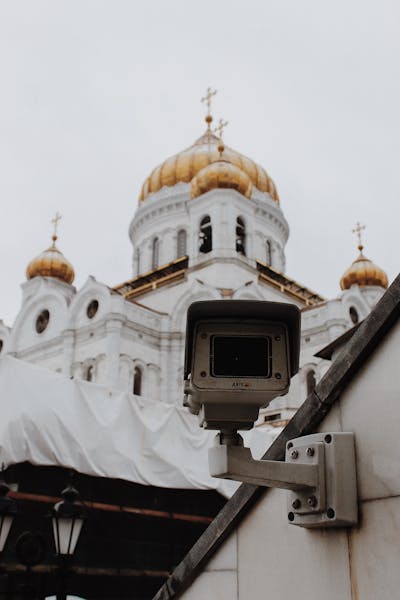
[
  {"x": 68, "y": 341},
  {"x": 175, "y": 367},
  {"x": 113, "y": 349},
  {"x": 249, "y": 242},
  {"x": 224, "y": 237},
  {"x": 152, "y": 383},
  {"x": 171, "y": 363},
  {"x": 165, "y": 368}
]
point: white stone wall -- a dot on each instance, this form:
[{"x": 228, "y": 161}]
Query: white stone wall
[
  {"x": 149, "y": 333},
  {"x": 320, "y": 326},
  {"x": 266, "y": 555},
  {"x": 123, "y": 335},
  {"x": 163, "y": 214}
]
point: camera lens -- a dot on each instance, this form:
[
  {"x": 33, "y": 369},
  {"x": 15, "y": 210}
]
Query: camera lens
[{"x": 241, "y": 356}]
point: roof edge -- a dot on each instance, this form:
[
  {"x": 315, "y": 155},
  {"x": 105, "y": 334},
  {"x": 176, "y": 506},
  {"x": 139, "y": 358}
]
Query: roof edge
[{"x": 327, "y": 351}]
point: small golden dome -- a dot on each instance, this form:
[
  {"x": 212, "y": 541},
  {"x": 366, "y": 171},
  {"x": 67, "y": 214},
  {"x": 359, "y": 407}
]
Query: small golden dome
[
  {"x": 51, "y": 263},
  {"x": 363, "y": 272},
  {"x": 221, "y": 174},
  {"x": 186, "y": 164}
]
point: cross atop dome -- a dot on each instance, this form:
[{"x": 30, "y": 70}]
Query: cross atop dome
[
  {"x": 220, "y": 127},
  {"x": 357, "y": 230},
  {"x": 207, "y": 99},
  {"x": 55, "y": 221}
]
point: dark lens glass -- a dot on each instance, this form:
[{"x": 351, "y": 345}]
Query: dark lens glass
[{"x": 240, "y": 356}]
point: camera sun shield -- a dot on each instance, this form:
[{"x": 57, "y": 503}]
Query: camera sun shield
[{"x": 239, "y": 356}]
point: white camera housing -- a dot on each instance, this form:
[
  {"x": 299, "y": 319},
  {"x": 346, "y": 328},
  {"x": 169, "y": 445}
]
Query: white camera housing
[{"x": 240, "y": 354}]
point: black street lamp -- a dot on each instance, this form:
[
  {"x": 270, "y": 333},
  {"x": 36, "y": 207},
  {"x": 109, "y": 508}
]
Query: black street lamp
[
  {"x": 68, "y": 516},
  {"x": 8, "y": 510}
]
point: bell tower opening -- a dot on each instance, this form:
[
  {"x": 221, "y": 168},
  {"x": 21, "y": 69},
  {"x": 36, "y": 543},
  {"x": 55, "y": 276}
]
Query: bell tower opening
[
  {"x": 205, "y": 235},
  {"x": 240, "y": 236},
  {"x": 155, "y": 253},
  {"x": 268, "y": 252},
  {"x": 137, "y": 382}
]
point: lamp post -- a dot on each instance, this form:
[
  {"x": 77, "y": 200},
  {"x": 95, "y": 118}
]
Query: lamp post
[
  {"x": 8, "y": 510},
  {"x": 68, "y": 516}
]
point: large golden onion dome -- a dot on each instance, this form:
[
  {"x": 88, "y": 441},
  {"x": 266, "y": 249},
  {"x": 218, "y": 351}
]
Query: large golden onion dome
[
  {"x": 363, "y": 272},
  {"x": 186, "y": 165},
  {"x": 221, "y": 174},
  {"x": 51, "y": 263}
]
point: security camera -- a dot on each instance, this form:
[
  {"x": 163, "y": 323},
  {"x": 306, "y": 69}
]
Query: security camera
[{"x": 240, "y": 355}]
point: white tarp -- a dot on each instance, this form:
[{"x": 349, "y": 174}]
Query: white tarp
[{"x": 49, "y": 419}]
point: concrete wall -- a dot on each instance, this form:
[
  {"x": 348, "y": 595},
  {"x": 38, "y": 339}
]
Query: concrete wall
[{"x": 268, "y": 558}]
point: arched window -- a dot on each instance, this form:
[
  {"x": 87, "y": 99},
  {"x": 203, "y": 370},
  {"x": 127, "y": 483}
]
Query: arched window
[
  {"x": 205, "y": 235},
  {"x": 354, "y": 315},
  {"x": 156, "y": 253},
  {"x": 268, "y": 252},
  {"x": 181, "y": 243},
  {"x": 311, "y": 381},
  {"x": 92, "y": 309},
  {"x": 42, "y": 320},
  {"x": 240, "y": 236},
  {"x": 137, "y": 381},
  {"x": 89, "y": 373}
]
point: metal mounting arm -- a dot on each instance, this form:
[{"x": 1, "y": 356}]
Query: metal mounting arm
[
  {"x": 319, "y": 470},
  {"x": 236, "y": 462}
]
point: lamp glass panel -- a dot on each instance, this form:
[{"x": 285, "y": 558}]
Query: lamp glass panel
[
  {"x": 66, "y": 534},
  {"x": 5, "y": 526},
  {"x": 75, "y": 534}
]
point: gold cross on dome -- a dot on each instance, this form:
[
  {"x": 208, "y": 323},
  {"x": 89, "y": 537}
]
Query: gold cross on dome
[
  {"x": 56, "y": 219},
  {"x": 357, "y": 230},
  {"x": 220, "y": 127},
  {"x": 207, "y": 98}
]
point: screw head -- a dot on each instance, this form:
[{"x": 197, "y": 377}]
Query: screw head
[
  {"x": 310, "y": 451},
  {"x": 296, "y": 503},
  {"x": 294, "y": 454},
  {"x": 203, "y": 374},
  {"x": 312, "y": 501},
  {"x": 203, "y": 336},
  {"x": 278, "y": 376}
]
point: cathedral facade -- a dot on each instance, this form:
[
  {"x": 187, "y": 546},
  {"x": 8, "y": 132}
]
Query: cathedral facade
[{"x": 209, "y": 225}]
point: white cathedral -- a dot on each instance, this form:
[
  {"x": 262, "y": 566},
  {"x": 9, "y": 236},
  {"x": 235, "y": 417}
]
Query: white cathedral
[{"x": 209, "y": 225}]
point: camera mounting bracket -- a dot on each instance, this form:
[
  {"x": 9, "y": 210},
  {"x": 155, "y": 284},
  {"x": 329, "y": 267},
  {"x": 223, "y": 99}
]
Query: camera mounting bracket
[{"x": 319, "y": 470}]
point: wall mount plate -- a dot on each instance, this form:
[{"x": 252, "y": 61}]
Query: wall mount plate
[{"x": 333, "y": 502}]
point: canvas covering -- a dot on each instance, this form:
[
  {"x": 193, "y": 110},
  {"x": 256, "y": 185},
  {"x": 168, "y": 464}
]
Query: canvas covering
[{"x": 48, "y": 418}]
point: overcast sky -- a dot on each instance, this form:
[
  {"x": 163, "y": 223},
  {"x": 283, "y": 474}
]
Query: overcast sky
[{"x": 95, "y": 93}]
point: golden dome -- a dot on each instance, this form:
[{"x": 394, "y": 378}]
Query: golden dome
[
  {"x": 186, "y": 164},
  {"x": 363, "y": 272},
  {"x": 51, "y": 263},
  {"x": 221, "y": 174}
]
